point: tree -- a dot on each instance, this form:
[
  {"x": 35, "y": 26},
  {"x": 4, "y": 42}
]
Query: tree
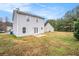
[{"x": 76, "y": 30}]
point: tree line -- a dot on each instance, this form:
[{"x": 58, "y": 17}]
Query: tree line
[{"x": 66, "y": 23}]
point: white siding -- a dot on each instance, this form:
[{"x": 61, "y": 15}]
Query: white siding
[
  {"x": 20, "y": 21},
  {"x": 48, "y": 28}
]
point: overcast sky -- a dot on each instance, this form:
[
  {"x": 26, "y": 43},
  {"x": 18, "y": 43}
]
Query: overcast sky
[{"x": 46, "y": 10}]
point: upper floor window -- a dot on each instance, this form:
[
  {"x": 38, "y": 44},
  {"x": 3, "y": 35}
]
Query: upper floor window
[
  {"x": 36, "y": 20},
  {"x": 41, "y": 28},
  {"x": 24, "y": 30},
  {"x": 28, "y": 19}
]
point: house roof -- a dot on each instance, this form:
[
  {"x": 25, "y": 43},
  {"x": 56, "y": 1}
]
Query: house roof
[
  {"x": 26, "y": 13},
  {"x": 46, "y": 23}
]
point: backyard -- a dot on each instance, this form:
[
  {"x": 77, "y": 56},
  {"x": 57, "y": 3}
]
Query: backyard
[{"x": 52, "y": 44}]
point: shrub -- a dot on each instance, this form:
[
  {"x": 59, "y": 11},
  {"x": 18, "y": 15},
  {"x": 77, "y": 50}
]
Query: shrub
[{"x": 76, "y": 30}]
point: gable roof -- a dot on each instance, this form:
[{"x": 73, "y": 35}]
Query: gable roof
[
  {"x": 46, "y": 23},
  {"x": 26, "y": 13}
]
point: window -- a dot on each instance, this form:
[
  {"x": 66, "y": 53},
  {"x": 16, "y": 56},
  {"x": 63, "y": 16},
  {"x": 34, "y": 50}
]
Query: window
[
  {"x": 35, "y": 30},
  {"x": 28, "y": 19},
  {"x": 41, "y": 28},
  {"x": 24, "y": 30},
  {"x": 36, "y": 20}
]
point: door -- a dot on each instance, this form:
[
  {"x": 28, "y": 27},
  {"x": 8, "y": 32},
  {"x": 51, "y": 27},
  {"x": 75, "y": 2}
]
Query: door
[{"x": 35, "y": 30}]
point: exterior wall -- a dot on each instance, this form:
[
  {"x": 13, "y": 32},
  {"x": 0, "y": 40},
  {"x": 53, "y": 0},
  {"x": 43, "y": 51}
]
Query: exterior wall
[
  {"x": 20, "y": 21},
  {"x": 48, "y": 28},
  {"x": 15, "y": 29}
]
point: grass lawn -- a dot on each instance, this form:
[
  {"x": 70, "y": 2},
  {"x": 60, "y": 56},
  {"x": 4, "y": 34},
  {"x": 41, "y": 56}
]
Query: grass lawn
[{"x": 53, "y": 44}]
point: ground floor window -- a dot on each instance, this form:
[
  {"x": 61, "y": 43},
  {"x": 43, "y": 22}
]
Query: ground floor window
[
  {"x": 35, "y": 30},
  {"x": 24, "y": 30}
]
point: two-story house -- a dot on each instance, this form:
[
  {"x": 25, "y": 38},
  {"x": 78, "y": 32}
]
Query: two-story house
[{"x": 27, "y": 24}]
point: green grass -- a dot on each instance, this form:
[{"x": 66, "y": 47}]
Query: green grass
[{"x": 53, "y": 44}]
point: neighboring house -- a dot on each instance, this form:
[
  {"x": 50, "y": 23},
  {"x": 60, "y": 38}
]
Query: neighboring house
[
  {"x": 9, "y": 29},
  {"x": 48, "y": 27},
  {"x": 27, "y": 24},
  {"x": 3, "y": 27}
]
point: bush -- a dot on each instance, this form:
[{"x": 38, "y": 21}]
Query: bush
[
  {"x": 76, "y": 34},
  {"x": 76, "y": 30}
]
